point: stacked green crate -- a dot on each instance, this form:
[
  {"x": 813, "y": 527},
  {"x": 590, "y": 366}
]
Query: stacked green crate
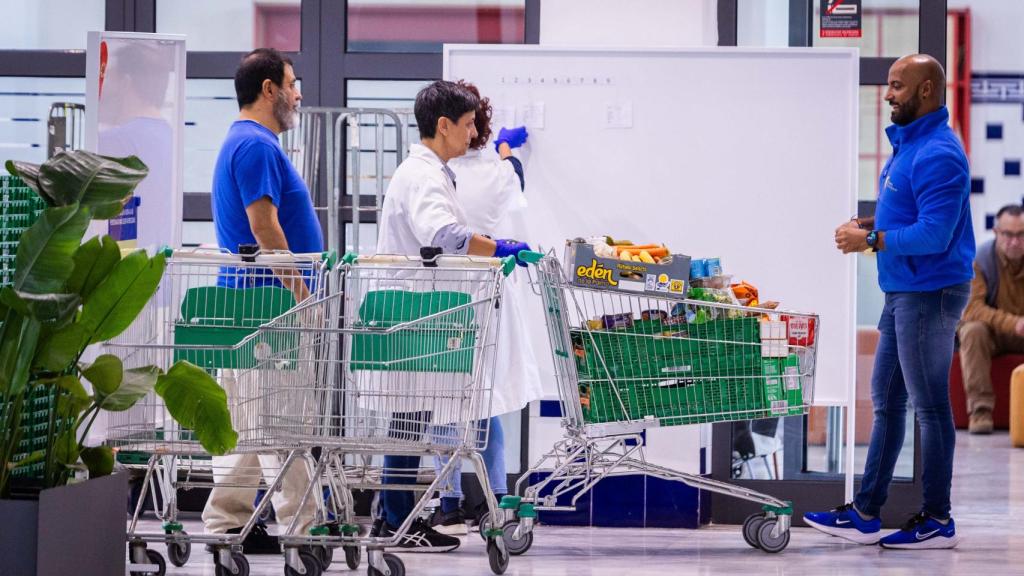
[
  {"x": 35, "y": 426},
  {"x": 682, "y": 374},
  {"x": 20, "y": 206}
]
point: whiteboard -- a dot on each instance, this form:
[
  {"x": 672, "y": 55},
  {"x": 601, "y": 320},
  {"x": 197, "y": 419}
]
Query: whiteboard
[{"x": 749, "y": 155}]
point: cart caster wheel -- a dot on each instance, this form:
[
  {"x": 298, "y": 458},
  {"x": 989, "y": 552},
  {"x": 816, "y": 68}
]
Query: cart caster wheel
[
  {"x": 516, "y": 547},
  {"x": 481, "y": 521},
  {"x": 179, "y": 552},
  {"x": 750, "y": 528},
  {"x": 395, "y": 566},
  {"x": 325, "y": 555},
  {"x": 153, "y": 557},
  {"x": 497, "y": 557},
  {"x": 309, "y": 561},
  {"x": 241, "y": 566},
  {"x": 767, "y": 542},
  {"x": 353, "y": 556}
]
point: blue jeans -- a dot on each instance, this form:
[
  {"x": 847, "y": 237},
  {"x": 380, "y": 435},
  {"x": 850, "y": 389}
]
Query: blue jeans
[
  {"x": 494, "y": 458},
  {"x": 397, "y": 504},
  {"x": 915, "y": 349}
]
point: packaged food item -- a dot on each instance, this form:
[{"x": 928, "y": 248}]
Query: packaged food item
[
  {"x": 595, "y": 324},
  {"x": 653, "y": 315},
  {"x": 714, "y": 266},
  {"x": 614, "y": 321},
  {"x": 698, "y": 269},
  {"x": 799, "y": 330}
]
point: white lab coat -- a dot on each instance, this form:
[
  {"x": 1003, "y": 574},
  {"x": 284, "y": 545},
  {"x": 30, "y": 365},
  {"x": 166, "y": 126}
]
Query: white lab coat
[{"x": 494, "y": 204}]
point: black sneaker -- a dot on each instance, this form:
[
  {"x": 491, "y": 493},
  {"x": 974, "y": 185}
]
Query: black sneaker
[
  {"x": 452, "y": 523},
  {"x": 259, "y": 541},
  {"x": 422, "y": 538}
]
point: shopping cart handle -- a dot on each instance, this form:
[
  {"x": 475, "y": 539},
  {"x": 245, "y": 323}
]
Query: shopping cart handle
[
  {"x": 331, "y": 257},
  {"x": 530, "y": 257},
  {"x": 508, "y": 264},
  {"x": 350, "y": 258}
]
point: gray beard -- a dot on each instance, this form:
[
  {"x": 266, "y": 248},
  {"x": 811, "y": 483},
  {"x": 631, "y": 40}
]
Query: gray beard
[{"x": 284, "y": 114}]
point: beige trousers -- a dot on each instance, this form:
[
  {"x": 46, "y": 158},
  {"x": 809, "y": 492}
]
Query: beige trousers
[{"x": 978, "y": 345}]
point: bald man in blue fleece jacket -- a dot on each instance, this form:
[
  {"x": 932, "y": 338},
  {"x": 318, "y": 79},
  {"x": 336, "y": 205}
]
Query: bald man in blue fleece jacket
[{"x": 925, "y": 243}]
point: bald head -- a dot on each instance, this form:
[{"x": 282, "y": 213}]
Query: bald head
[{"x": 916, "y": 86}]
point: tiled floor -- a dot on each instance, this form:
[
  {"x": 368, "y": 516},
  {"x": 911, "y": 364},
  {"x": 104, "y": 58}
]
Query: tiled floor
[{"x": 988, "y": 494}]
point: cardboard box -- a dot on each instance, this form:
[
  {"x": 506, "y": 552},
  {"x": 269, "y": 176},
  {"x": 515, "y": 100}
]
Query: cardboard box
[
  {"x": 592, "y": 271},
  {"x": 783, "y": 385}
]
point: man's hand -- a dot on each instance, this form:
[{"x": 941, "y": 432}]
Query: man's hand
[
  {"x": 850, "y": 238},
  {"x": 1020, "y": 327},
  {"x": 848, "y": 224}
]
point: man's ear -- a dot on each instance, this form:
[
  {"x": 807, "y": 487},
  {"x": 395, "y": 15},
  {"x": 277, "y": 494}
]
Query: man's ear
[
  {"x": 267, "y": 88},
  {"x": 927, "y": 89},
  {"x": 443, "y": 125}
]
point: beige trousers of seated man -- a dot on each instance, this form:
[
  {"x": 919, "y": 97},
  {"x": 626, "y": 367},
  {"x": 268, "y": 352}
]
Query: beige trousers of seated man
[
  {"x": 979, "y": 343},
  {"x": 229, "y": 508}
]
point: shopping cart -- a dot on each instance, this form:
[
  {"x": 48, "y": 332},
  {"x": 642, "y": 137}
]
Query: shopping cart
[
  {"x": 208, "y": 310},
  {"x": 412, "y": 378},
  {"x": 628, "y": 361}
]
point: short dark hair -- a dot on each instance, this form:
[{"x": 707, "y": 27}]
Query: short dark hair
[
  {"x": 482, "y": 120},
  {"x": 442, "y": 99},
  {"x": 259, "y": 65},
  {"x": 1011, "y": 209}
]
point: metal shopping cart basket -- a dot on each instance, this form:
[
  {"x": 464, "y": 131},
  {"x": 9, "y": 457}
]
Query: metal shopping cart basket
[
  {"x": 412, "y": 378},
  {"x": 208, "y": 310},
  {"x": 627, "y": 361}
]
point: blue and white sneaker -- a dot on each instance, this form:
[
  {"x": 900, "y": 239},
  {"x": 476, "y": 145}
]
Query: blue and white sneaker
[
  {"x": 846, "y": 523},
  {"x": 922, "y": 532}
]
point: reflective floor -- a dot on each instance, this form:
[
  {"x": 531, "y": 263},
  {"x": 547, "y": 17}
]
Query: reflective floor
[{"x": 988, "y": 495}]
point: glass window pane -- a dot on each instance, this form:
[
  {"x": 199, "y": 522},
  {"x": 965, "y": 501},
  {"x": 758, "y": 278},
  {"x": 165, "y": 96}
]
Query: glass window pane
[
  {"x": 762, "y": 23},
  {"x": 889, "y": 28},
  {"x": 24, "y": 111},
  {"x": 874, "y": 144},
  {"x": 239, "y": 25},
  {"x": 424, "y": 25},
  {"x": 50, "y": 24}
]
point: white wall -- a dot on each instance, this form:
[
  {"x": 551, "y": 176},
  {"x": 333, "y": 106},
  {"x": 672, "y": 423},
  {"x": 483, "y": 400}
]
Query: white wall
[
  {"x": 635, "y": 23},
  {"x": 50, "y": 24}
]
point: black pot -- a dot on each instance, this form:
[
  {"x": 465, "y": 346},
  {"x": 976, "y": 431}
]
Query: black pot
[{"x": 77, "y": 529}]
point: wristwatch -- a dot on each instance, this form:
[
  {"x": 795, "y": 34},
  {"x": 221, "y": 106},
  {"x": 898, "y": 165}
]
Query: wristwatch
[{"x": 872, "y": 240}]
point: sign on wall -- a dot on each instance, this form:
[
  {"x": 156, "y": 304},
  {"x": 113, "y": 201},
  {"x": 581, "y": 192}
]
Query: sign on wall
[{"x": 840, "y": 19}]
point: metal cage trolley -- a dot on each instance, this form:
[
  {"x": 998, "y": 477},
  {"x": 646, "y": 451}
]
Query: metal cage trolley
[
  {"x": 629, "y": 361},
  {"x": 208, "y": 310},
  {"x": 412, "y": 378}
]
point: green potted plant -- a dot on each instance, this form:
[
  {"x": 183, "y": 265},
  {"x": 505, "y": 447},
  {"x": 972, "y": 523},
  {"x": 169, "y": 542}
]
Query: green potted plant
[{"x": 66, "y": 296}]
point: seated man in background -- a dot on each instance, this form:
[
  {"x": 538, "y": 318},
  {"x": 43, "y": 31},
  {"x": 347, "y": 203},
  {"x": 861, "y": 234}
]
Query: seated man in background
[{"x": 993, "y": 322}]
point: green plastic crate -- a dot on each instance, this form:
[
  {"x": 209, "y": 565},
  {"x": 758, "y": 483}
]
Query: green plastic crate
[{"x": 442, "y": 344}]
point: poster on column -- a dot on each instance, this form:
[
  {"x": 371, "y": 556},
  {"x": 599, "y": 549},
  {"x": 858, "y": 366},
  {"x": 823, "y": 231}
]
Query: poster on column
[
  {"x": 135, "y": 86},
  {"x": 840, "y": 19}
]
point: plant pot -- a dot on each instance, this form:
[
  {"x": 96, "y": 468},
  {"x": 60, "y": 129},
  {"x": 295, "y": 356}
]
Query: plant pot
[{"x": 77, "y": 529}]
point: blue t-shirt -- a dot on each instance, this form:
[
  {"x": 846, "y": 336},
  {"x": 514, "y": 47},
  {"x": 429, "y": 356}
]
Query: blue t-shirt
[
  {"x": 923, "y": 208},
  {"x": 251, "y": 165}
]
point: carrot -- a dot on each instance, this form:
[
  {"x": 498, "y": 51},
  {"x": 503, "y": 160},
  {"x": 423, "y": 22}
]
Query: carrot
[{"x": 659, "y": 252}]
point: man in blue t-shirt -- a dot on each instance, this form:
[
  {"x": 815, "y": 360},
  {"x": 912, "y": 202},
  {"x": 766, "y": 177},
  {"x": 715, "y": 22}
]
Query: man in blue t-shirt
[
  {"x": 259, "y": 198},
  {"x": 925, "y": 243}
]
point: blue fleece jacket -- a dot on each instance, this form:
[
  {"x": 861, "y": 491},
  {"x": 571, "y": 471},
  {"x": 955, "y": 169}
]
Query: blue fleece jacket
[{"x": 923, "y": 208}]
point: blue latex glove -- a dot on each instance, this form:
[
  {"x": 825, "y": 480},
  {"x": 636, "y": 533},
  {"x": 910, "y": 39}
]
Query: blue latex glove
[
  {"x": 514, "y": 137},
  {"x": 511, "y": 248}
]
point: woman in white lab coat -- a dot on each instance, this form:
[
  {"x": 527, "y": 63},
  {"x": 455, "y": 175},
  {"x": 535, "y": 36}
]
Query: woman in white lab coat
[{"x": 490, "y": 191}]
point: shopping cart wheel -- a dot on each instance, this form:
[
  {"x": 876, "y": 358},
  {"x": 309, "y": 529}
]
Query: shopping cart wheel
[
  {"x": 497, "y": 557},
  {"x": 395, "y": 566},
  {"x": 353, "y": 556},
  {"x": 153, "y": 557},
  {"x": 179, "y": 552},
  {"x": 750, "y": 528},
  {"x": 241, "y": 566},
  {"x": 516, "y": 547},
  {"x": 483, "y": 520},
  {"x": 310, "y": 562},
  {"x": 767, "y": 542},
  {"x": 325, "y": 554}
]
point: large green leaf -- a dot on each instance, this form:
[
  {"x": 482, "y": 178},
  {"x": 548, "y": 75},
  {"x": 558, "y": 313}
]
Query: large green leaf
[
  {"x": 98, "y": 182},
  {"x": 196, "y": 402},
  {"x": 93, "y": 262},
  {"x": 29, "y": 172},
  {"x": 105, "y": 374},
  {"x": 77, "y": 399},
  {"x": 44, "y": 261},
  {"x": 62, "y": 348},
  {"x": 99, "y": 460},
  {"x": 56, "y": 310},
  {"x": 117, "y": 301},
  {"x": 19, "y": 336},
  {"x": 118, "y": 389},
  {"x": 65, "y": 448}
]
